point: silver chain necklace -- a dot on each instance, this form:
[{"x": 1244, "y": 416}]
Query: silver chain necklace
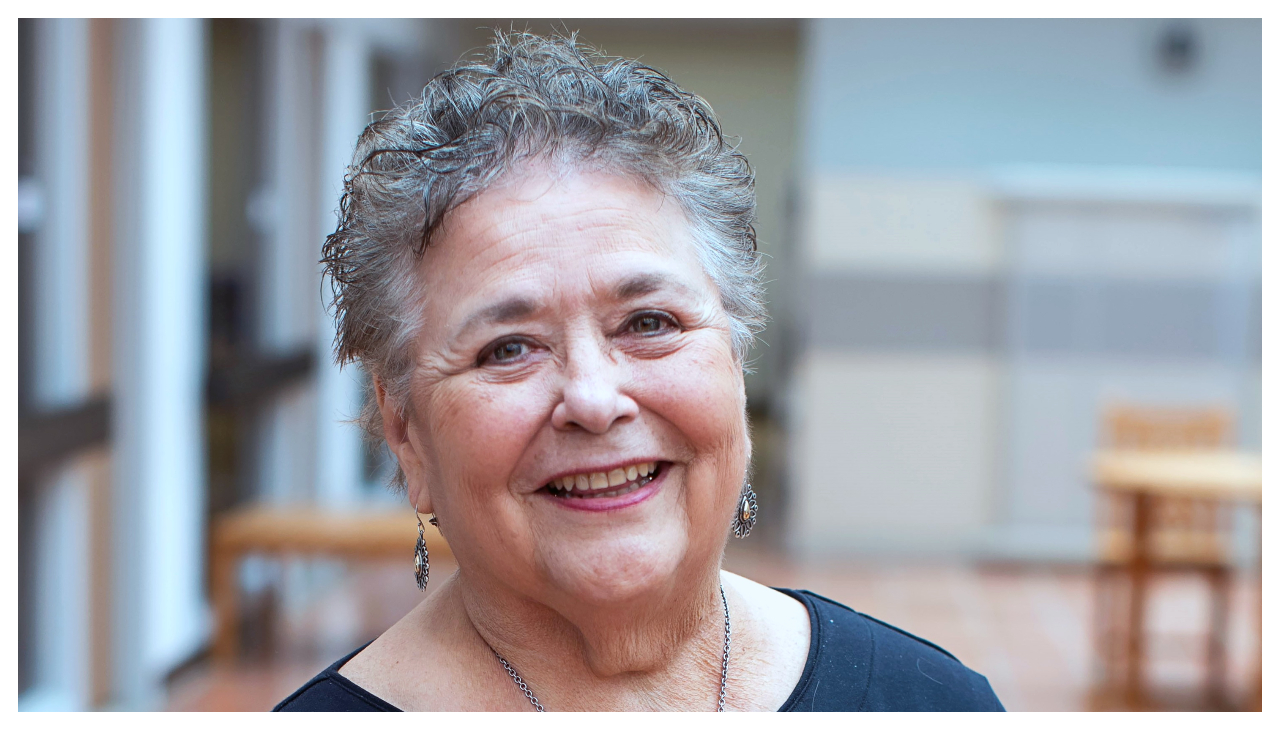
[{"x": 724, "y": 664}]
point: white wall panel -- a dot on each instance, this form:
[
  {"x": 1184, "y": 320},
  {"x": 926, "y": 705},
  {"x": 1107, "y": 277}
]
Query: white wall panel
[
  {"x": 893, "y": 224},
  {"x": 893, "y": 453},
  {"x": 1141, "y": 242}
]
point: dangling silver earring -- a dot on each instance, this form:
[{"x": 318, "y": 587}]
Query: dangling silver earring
[
  {"x": 421, "y": 562},
  {"x": 745, "y": 518}
]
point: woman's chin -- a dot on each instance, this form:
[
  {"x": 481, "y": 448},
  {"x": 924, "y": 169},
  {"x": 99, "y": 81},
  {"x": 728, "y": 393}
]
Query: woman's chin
[{"x": 619, "y": 570}]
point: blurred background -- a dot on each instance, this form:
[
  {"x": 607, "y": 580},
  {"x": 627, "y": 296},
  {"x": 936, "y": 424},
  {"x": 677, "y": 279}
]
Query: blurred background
[{"x": 988, "y": 241}]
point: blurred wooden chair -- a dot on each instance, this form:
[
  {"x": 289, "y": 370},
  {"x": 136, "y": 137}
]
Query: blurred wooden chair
[
  {"x": 304, "y": 531},
  {"x": 1185, "y": 535}
]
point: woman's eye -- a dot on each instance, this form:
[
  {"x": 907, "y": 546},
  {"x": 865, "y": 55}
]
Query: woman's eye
[
  {"x": 649, "y": 324},
  {"x": 508, "y": 351}
]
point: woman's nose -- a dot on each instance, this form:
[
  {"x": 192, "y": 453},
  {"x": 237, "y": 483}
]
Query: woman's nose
[{"x": 593, "y": 399}]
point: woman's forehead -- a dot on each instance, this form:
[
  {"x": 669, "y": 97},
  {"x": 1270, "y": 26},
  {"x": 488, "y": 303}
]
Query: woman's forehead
[
  {"x": 547, "y": 206},
  {"x": 591, "y": 231}
]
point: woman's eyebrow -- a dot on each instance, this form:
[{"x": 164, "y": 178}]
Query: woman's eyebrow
[
  {"x": 516, "y": 308},
  {"x": 508, "y": 310},
  {"x": 642, "y": 284}
]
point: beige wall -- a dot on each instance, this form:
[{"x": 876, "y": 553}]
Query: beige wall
[
  {"x": 897, "y": 401},
  {"x": 963, "y": 338},
  {"x": 893, "y": 453}
]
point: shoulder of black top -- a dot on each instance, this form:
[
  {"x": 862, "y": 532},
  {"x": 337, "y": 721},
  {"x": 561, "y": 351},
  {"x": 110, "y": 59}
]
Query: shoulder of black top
[{"x": 907, "y": 634}]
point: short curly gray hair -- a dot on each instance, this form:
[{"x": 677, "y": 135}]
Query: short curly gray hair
[{"x": 528, "y": 97}]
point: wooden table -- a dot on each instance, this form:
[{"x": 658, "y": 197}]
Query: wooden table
[
  {"x": 304, "y": 531},
  {"x": 1149, "y": 475}
]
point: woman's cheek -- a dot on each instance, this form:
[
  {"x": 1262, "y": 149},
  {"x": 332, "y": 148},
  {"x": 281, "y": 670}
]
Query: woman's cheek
[
  {"x": 481, "y": 429},
  {"x": 699, "y": 390}
]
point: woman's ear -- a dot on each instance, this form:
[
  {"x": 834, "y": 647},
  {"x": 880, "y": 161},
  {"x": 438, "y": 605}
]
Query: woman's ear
[{"x": 396, "y": 430}]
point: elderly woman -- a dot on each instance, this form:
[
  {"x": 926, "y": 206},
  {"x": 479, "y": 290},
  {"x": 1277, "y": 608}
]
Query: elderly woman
[{"x": 548, "y": 266}]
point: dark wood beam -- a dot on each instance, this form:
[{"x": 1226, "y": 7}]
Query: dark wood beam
[{"x": 45, "y": 438}]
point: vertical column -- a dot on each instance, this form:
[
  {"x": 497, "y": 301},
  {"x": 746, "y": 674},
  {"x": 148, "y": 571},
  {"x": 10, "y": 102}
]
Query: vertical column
[
  {"x": 60, "y": 377},
  {"x": 345, "y": 113},
  {"x": 61, "y": 332},
  {"x": 101, "y": 343},
  {"x": 162, "y": 616},
  {"x": 290, "y": 147},
  {"x": 286, "y": 286}
]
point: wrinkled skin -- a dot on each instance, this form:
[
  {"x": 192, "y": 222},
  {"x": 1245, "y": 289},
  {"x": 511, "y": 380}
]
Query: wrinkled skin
[{"x": 569, "y": 327}]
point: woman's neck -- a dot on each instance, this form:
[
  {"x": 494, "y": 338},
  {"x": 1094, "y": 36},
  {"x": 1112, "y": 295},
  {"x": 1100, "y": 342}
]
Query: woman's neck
[{"x": 658, "y": 651}]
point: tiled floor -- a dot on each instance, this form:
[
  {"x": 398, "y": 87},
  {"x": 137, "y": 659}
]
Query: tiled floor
[{"x": 1025, "y": 628}]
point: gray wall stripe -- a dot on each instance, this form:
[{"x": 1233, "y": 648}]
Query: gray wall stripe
[
  {"x": 1044, "y": 316},
  {"x": 908, "y": 313}
]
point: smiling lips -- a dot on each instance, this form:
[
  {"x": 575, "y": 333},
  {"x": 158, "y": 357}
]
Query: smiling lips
[{"x": 615, "y": 483}]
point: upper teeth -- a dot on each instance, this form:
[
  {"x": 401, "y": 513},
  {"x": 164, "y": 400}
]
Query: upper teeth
[{"x": 601, "y": 480}]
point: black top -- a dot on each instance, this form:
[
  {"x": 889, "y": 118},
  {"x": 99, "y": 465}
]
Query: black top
[{"x": 855, "y": 664}]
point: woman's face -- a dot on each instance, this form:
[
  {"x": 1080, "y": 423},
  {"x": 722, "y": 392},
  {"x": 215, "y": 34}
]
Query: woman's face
[{"x": 571, "y": 343}]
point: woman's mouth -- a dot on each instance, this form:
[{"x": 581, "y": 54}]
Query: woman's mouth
[{"x": 604, "y": 485}]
